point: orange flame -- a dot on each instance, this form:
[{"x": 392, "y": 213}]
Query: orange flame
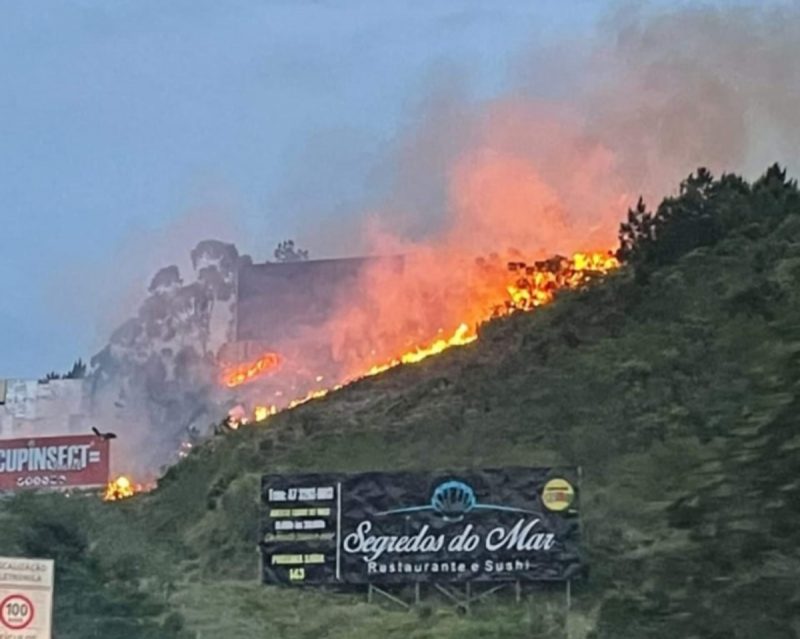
[
  {"x": 537, "y": 285},
  {"x": 534, "y": 286},
  {"x": 120, "y": 488},
  {"x": 463, "y": 335},
  {"x": 242, "y": 373},
  {"x": 263, "y": 412},
  {"x": 314, "y": 394},
  {"x": 529, "y": 287},
  {"x": 260, "y": 413}
]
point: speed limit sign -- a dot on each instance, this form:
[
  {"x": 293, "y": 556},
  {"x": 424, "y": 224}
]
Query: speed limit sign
[
  {"x": 16, "y": 612},
  {"x": 26, "y": 598}
]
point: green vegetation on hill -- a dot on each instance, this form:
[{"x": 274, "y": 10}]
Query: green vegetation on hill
[{"x": 675, "y": 384}]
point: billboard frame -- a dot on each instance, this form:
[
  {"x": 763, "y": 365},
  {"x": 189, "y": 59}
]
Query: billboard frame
[
  {"x": 54, "y": 463},
  {"x": 564, "y": 563}
]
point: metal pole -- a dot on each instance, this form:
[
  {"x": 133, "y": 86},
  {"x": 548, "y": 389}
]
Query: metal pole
[
  {"x": 416, "y": 593},
  {"x": 518, "y": 590},
  {"x": 569, "y": 605},
  {"x": 369, "y": 593},
  {"x": 391, "y": 597}
]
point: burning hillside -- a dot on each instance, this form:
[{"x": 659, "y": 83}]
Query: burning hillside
[
  {"x": 196, "y": 349},
  {"x": 285, "y": 381}
]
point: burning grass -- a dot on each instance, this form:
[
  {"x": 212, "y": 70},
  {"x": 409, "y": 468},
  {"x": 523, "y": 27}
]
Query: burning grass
[
  {"x": 518, "y": 287},
  {"x": 239, "y": 374},
  {"x": 521, "y": 287}
]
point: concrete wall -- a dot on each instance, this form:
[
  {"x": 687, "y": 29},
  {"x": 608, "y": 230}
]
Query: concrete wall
[{"x": 30, "y": 408}]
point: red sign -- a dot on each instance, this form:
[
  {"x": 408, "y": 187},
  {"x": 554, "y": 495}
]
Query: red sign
[{"x": 54, "y": 462}]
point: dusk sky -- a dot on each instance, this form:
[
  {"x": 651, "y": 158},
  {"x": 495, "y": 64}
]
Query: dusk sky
[{"x": 129, "y": 130}]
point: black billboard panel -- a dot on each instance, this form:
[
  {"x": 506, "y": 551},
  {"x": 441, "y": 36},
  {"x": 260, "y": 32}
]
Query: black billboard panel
[{"x": 478, "y": 525}]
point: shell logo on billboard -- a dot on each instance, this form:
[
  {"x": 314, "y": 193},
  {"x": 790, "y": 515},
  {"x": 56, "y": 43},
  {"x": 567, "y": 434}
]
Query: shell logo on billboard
[{"x": 557, "y": 494}]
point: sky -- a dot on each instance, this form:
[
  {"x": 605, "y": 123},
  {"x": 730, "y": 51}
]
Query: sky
[
  {"x": 129, "y": 130},
  {"x": 125, "y": 122}
]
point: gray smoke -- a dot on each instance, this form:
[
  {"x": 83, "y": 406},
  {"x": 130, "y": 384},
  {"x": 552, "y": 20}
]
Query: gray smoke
[
  {"x": 711, "y": 86},
  {"x": 550, "y": 165},
  {"x": 155, "y": 383},
  {"x": 654, "y": 94}
]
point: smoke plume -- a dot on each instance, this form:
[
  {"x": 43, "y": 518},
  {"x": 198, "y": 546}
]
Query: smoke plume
[
  {"x": 548, "y": 167},
  {"x": 653, "y": 95}
]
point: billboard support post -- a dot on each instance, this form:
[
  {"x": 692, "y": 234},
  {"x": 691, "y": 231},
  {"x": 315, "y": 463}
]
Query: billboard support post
[
  {"x": 371, "y": 590},
  {"x": 569, "y": 605},
  {"x": 457, "y": 601},
  {"x": 488, "y": 592},
  {"x": 468, "y": 598}
]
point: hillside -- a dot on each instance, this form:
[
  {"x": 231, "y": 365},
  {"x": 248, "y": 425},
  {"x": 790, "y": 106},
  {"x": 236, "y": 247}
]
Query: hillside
[{"x": 673, "y": 383}]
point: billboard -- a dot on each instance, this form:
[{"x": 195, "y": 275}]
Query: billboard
[
  {"x": 32, "y": 408},
  {"x": 26, "y": 598},
  {"x": 76, "y": 461},
  {"x": 276, "y": 301},
  {"x": 490, "y": 525}
]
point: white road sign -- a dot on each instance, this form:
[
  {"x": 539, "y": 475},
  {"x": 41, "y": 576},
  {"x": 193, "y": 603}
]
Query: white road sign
[{"x": 26, "y": 598}]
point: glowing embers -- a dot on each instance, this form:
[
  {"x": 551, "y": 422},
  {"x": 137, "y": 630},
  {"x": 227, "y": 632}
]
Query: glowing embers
[{"x": 239, "y": 374}]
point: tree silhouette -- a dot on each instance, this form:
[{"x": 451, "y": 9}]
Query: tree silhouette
[
  {"x": 287, "y": 252},
  {"x": 704, "y": 211},
  {"x": 637, "y": 233},
  {"x": 78, "y": 370}
]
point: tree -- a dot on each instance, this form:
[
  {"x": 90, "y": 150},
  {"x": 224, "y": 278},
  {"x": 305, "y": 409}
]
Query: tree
[
  {"x": 637, "y": 233},
  {"x": 705, "y": 211},
  {"x": 78, "y": 370},
  {"x": 101, "y": 592},
  {"x": 286, "y": 252}
]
